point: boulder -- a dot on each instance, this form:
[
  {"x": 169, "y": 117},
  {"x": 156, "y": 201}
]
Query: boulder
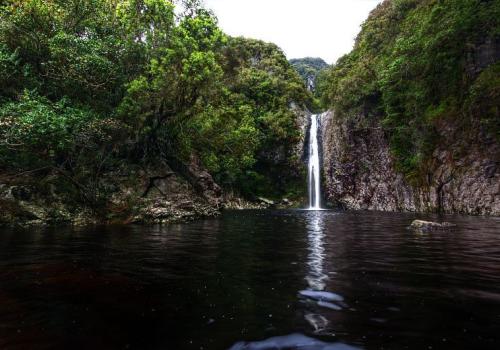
[
  {"x": 421, "y": 225},
  {"x": 266, "y": 201}
]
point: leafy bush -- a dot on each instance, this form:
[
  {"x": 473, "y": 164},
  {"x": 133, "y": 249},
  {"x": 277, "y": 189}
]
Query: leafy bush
[{"x": 37, "y": 126}]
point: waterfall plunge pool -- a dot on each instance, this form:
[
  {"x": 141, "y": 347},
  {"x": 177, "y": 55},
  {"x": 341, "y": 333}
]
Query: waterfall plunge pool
[{"x": 254, "y": 280}]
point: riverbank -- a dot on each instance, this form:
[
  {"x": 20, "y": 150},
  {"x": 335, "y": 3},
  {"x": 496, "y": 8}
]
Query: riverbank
[
  {"x": 132, "y": 194},
  {"x": 143, "y": 196}
]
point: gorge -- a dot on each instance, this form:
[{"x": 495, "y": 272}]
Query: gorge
[
  {"x": 153, "y": 144},
  {"x": 165, "y": 185}
]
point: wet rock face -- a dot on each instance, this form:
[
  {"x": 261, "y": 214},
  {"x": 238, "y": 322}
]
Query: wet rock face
[
  {"x": 359, "y": 172},
  {"x": 302, "y": 123},
  {"x": 168, "y": 196},
  {"x": 481, "y": 55},
  {"x": 133, "y": 194},
  {"x": 205, "y": 184}
]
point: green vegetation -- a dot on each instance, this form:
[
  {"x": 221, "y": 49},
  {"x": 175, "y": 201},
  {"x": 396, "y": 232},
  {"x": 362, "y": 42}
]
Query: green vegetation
[
  {"x": 88, "y": 84},
  {"x": 313, "y": 72},
  {"x": 309, "y": 67},
  {"x": 416, "y": 64}
]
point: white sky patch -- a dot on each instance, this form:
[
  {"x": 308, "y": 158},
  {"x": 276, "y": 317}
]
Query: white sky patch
[{"x": 316, "y": 28}]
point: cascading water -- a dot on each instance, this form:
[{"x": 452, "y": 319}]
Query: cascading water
[{"x": 313, "y": 179}]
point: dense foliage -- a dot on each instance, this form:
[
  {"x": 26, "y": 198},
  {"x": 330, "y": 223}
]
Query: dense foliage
[
  {"x": 313, "y": 72},
  {"x": 86, "y": 84},
  {"x": 417, "y": 63},
  {"x": 309, "y": 67}
]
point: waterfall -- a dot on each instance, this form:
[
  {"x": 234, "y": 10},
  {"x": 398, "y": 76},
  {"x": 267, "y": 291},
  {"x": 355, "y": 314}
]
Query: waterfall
[{"x": 313, "y": 178}]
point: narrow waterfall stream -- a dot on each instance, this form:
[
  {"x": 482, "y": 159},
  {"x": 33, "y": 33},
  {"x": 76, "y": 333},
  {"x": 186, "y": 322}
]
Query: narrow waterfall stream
[{"x": 313, "y": 178}]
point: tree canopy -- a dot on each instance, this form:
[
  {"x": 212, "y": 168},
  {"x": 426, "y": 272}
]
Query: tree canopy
[{"x": 134, "y": 80}]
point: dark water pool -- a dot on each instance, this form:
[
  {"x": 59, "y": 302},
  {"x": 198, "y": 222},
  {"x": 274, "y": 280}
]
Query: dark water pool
[{"x": 254, "y": 280}]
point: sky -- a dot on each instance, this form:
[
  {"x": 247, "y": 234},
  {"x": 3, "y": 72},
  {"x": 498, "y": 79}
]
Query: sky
[{"x": 302, "y": 28}]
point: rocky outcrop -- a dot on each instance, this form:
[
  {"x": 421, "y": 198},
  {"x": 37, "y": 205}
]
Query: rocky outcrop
[
  {"x": 481, "y": 55},
  {"x": 131, "y": 194},
  {"x": 462, "y": 175},
  {"x": 426, "y": 226},
  {"x": 358, "y": 170},
  {"x": 26, "y": 202},
  {"x": 200, "y": 179}
]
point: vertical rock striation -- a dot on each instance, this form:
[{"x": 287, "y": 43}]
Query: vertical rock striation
[{"x": 462, "y": 175}]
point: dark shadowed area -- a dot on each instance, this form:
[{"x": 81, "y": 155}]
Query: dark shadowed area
[{"x": 254, "y": 280}]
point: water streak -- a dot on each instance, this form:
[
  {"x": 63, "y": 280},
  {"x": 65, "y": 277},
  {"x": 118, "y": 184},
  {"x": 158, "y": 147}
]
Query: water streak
[{"x": 314, "y": 182}]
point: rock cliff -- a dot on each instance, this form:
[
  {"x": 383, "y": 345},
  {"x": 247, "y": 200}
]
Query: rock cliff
[
  {"x": 131, "y": 194},
  {"x": 462, "y": 175}
]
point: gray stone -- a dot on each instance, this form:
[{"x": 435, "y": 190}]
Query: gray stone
[
  {"x": 266, "y": 201},
  {"x": 462, "y": 175},
  {"x": 421, "y": 225}
]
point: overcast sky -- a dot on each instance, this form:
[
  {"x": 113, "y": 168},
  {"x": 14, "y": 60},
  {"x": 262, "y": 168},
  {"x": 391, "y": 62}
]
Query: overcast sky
[{"x": 317, "y": 28}]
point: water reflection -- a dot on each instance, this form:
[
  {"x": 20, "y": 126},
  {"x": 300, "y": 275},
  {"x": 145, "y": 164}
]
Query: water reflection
[
  {"x": 318, "y": 301},
  {"x": 316, "y": 276},
  {"x": 255, "y": 280},
  {"x": 292, "y": 341}
]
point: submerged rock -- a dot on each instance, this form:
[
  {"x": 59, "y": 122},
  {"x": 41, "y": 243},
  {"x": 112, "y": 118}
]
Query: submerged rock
[{"x": 421, "y": 225}]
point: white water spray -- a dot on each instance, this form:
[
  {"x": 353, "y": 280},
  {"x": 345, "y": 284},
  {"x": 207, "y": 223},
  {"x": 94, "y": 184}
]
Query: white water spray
[{"x": 313, "y": 179}]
